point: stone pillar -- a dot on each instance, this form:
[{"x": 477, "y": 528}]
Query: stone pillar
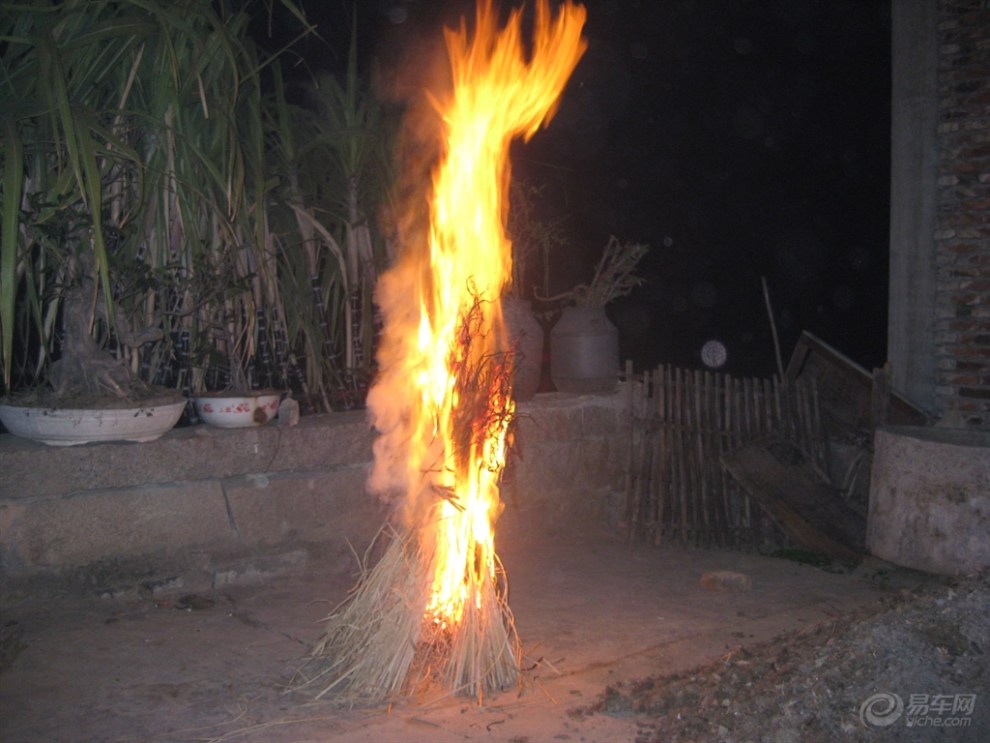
[{"x": 914, "y": 121}]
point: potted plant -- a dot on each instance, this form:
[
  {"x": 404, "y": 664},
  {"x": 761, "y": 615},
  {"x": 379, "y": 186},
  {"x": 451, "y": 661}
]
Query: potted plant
[
  {"x": 149, "y": 212},
  {"x": 584, "y": 344},
  {"x": 93, "y": 396},
  {"x": 98, "y": 102}
]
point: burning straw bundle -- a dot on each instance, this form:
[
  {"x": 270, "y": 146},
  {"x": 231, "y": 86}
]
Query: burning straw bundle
[
  {"x": 389, "y": 638},
  {"x": 381, "y": 642},
  {"x": 434, "y": 608}
]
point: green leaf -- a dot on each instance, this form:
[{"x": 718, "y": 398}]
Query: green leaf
[{"x": 13, "y": 166}]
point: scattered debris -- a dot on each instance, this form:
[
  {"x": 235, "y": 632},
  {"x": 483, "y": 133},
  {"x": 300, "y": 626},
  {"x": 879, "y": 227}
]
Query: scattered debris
[
  {"x": 903, "y": 670},
  {"x": 194, "y": 602},
  {"x": 726, "y": 581}
]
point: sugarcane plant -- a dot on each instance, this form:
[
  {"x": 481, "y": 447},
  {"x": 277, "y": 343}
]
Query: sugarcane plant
[
  {"x": 334, "y": 148},
  {"x": 145, "y": 188}
]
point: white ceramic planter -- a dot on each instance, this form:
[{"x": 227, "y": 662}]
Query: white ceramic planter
[{"x": 67, "y": 427}]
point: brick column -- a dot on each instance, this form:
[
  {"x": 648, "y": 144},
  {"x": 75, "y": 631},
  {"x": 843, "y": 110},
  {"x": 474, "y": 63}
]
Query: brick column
[{"x": 962, "y": 232}]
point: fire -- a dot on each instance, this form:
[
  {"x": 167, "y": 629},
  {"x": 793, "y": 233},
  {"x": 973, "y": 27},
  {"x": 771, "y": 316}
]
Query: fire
[
  {"x": 498, "y": 94},
  {"x": 442, "y": 401}
]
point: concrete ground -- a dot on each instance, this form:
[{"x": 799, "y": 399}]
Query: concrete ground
[{"x": 212, "y": 664}]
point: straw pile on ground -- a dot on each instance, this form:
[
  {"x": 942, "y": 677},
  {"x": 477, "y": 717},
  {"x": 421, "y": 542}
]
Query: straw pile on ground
[
  {"x": 385, "y": 641},
  {"x": 380, "y": 643}
]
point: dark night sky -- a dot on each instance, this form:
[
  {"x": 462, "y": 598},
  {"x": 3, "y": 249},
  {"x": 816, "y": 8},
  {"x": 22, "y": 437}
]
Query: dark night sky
[{"x": 740, "y": 138}]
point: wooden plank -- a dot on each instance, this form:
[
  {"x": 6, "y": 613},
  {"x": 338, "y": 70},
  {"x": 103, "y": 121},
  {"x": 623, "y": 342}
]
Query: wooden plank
[
  {"x": 660, "y": 448},
  {"x": 631, "y": 464},
  {"x": 682, "y": 480},
  {"x": 796, "y": 499},
  {"x": 701, "y": 489},
  {"x": 731, "y": 498},
  {"x": 845, "y": 388}
]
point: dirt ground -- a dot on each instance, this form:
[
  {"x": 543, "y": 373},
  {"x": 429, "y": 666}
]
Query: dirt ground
[
  {"x": 622, "y": 643},
  {"x": 926, "y": 646}
]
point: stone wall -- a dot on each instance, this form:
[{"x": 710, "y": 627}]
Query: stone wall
[
  {"x": 220, "y": 505},
  {"x": 962, "y": 235}
]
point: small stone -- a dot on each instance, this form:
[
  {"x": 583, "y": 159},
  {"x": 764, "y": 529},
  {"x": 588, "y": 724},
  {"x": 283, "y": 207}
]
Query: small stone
[
  {"x": 288, "y": 412},
  {"x": 160, "y": 586},
  {"x": 254, "y": 570},
  {"x": 726, "y": 581}
]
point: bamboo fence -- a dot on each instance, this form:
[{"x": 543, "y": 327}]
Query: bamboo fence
[{"x": 681, "y": 423}]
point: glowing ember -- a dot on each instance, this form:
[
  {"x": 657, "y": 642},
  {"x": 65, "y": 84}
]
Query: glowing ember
[{"x": 442, "y": 401}]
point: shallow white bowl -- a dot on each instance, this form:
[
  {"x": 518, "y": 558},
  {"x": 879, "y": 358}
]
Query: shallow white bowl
[
  {"x": 67, "y": 427},
  {"x": 237, "y": 410}
]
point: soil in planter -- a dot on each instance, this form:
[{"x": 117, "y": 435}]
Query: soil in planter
[{"x": 137, "y": 395}]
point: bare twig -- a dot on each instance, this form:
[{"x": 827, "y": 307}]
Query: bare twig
[{"x": 613, "y": 276}]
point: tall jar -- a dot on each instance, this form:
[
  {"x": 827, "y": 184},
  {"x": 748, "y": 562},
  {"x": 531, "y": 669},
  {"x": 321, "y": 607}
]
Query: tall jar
[
  {"x": 525, "y": 338},
  {"x": 584, "y": 351}
]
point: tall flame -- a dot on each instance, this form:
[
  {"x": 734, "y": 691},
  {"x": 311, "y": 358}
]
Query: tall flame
[{"x": 442, "y": 402}]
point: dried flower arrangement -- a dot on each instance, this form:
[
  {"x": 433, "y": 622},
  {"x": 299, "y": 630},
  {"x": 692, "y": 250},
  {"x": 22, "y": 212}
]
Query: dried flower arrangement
[{"x": 613, "y": 277}]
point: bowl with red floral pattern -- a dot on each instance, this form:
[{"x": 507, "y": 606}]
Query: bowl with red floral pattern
[{"x": 227, "y": 409}]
